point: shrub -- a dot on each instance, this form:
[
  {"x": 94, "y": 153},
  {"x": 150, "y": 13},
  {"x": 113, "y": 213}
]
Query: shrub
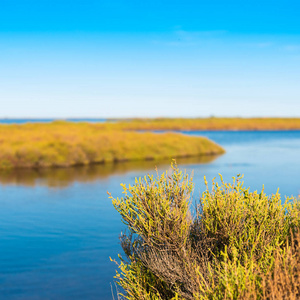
[{"x": 236, "y": 244}]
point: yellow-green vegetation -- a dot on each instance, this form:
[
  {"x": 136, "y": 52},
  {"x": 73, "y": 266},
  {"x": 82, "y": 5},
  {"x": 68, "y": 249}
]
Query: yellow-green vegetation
[
  {"x": 236, "y": 244},
  {"x": 62, "y": 144},
  {"x": 211, "y": 124}
]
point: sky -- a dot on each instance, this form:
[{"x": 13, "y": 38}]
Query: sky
[{"x": 120, "y": 59}]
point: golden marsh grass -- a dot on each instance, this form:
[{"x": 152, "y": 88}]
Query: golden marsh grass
[
  {"x": 63, "y": 144},
  {"x": 211, "y": 124}
]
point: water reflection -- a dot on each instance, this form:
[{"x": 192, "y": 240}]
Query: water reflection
[
  {"x": 63, "y": 177},
  {"x": 56, "y": 239}
]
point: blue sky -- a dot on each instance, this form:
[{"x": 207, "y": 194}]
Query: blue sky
[{"x": 149, "y": 58}]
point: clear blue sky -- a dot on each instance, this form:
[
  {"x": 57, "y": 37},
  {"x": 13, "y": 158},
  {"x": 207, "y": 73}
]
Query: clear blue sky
[{"x": 149, "y": 58}]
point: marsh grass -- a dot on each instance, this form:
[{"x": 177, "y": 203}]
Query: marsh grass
[
  {"x": 211, "y": 124},
  {"x": 63, "y": 144},
  {"x": 235, "y": 244}
]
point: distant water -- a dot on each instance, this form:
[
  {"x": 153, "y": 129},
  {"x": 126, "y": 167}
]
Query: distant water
[
  {"x": 23, "y": 121},
  {"x": 58, "y": 228}
]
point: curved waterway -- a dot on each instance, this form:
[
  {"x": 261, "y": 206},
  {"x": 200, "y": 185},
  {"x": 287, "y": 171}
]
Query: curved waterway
[{"x": 58, "y": 227}]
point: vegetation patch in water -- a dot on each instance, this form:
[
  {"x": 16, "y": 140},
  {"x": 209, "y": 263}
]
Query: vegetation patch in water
[
  {"x": 236, "y": 244},
  {"x": 63, "y": 144}
]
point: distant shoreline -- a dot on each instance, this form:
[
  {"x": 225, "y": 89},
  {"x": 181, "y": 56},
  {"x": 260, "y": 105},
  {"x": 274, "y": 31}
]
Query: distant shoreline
[
  {"x": 213, "y": 124},
  {"x": 192, "y": 124}
]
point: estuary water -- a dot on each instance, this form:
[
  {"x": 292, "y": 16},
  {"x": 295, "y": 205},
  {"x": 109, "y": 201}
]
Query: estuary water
[
  {"x": 58, "y": 227},
  {"x": 24, "y": 121}
]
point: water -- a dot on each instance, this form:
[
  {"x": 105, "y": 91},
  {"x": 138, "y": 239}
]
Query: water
[
  {"x": 269, "y": 158},
  {"x": 58, "y": 227},
  {"x": 49, "y": 120}
]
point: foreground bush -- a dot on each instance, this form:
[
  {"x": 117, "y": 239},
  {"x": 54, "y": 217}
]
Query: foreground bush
[{"x": 236, "y": 244}]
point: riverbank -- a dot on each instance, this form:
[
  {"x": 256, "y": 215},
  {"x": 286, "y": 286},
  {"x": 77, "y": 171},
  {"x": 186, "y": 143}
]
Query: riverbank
[{"x": 64, "y": 144}]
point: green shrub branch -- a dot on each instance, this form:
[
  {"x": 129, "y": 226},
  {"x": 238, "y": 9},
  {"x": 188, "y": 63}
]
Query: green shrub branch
[{"x": 236, "y": 244}]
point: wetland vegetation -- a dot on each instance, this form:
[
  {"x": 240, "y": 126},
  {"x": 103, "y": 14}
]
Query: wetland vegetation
[
  {"x": 210, "y": 124},
  {"x": 234, "y": 244},
  {"x": 63, "y": 144}
]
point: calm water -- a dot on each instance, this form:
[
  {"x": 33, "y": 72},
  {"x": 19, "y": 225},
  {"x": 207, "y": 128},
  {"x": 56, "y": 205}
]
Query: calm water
[
  {"x": 58, "y": 227},
  {"x": 23, "y": 121}
]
